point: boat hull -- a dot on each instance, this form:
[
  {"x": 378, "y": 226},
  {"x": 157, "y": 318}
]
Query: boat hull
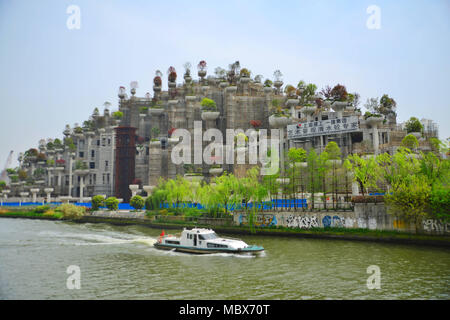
[{"x": 178, "y": 248}]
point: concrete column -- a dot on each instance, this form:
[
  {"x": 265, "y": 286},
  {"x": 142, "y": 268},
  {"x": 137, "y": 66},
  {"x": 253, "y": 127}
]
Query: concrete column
[
  {"x": 23, "y": 195},
  {"x": 81, "y": 188},
  {"x": 355, "y": 188},
  {"x": 134, "y": 189},
  {"x": 70, "y": 175},
  {"x": 149, "y": 189},
  {"x": 49, "y": 191},
  {"x": 34, "y": 193},
  {"x": 376, "y": 140}
]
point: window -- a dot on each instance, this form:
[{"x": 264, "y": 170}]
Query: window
[
  {"x": 81, "y": 154},
  {"x": 103, "y": 142},
  {"x": 208, "y": 236},
  {"x": 107, "y": 178},
  {"x": 216, "y": 245},
  {"x": 106, "y": 165},
  {"x": 109, "y": 142},
  {"x": 92, "y": 153},
  {"x": 94, "y": 179},
  {"x": 92, "y": 165},
  {"x": 172, "y": 242},
  {"x": 98, "y": 143}
]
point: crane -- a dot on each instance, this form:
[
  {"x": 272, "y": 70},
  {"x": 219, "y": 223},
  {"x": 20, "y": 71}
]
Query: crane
[{"x": 3, "y": 175}]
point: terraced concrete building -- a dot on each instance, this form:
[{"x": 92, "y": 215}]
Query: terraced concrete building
[{"x": 133, "y": 145}]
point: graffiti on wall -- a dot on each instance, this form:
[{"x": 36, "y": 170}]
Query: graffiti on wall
[
  {"x": 432, "y": 225},
  {"x": 262, "y": 220},
  {"x": 337, "y": 222},
  {"x": 295, "y": 221}
]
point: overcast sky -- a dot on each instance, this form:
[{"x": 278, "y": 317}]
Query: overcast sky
[{"x": 51, "y": 76}]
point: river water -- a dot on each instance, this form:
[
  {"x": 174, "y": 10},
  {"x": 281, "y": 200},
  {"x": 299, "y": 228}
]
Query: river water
[{"x": 120, "y": 263}]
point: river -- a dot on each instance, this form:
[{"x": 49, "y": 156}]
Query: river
[{"x": 119, "y": 262}]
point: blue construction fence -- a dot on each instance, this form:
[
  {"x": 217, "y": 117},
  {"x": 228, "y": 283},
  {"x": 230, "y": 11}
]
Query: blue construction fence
[{"x": 267, "y": 205}]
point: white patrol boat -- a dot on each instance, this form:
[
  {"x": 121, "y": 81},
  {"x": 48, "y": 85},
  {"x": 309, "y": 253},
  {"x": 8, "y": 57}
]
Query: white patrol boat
[{"x": 200, "y": 240}]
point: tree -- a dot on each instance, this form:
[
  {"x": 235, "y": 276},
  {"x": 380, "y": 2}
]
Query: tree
[
  {"x": 333, "y": 150},
  {"x": 410, "y": 200},
  {"x": 208, "y": 104},
  {"x": 413, "y": 125},
  {"x": 440, "y": 203},
  {"x": 297, "y": 154},
  {"x": 334, "y": 154},
  {"x": 410, "y": 142},
  {"x": 313, "y": 182},
  {"x": 97, "y": 202},
  {"x": 112, "y": 203},
  {"x": 225, "y": 191},
  {"x": 365, "y": 171},
  {"x": 137, "y": 202},
  {"x": 178, "y": 190}
]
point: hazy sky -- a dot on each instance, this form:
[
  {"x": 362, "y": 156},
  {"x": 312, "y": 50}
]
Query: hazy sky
[{"x": 51, "y": 76}]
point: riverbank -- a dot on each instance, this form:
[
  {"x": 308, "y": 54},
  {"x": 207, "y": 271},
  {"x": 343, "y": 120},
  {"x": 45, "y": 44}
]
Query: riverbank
[{"x": 313, "y": 233}]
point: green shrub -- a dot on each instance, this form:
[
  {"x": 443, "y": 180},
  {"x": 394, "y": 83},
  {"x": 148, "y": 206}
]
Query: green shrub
[
  {"x": 208, "y": 105},
  {"x": 112, "y": 203},
  {"x": 41, "y": 209},
  {"x": 71, "y": 211},
  {"x": 440, "y": 203},
  {"x": 149, "y": 203},
  {"x": 97, "y": 202},
  {"x": 410, "y": 142},
  {"x": 137, "y": 202},
  {"x": 413, "y": 125}
]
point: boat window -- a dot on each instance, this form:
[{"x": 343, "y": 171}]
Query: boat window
[
  {"x": 208, "y": 236},
  {"x": 172, "y": 242},
  {"x": 216, "y": 245}
]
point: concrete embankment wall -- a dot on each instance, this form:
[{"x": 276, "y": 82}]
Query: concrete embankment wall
[{"x": 365, "y": 216}]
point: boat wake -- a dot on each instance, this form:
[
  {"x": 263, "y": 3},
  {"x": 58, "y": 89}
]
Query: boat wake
[{"x": 90, "y": 239}]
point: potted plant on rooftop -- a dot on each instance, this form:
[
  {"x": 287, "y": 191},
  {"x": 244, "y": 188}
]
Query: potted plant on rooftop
[
  {"x": 187, "y": 72},
  {"x": 278, "y": 80},
  {"x": 172, "y": 76},
  {"x": 202, "y": 67},
  {"x": 414, "y": 126},
  {"x": 244, "y": 75},
  {"x": 209, "y": 109},
  {"x": 157, "y": 82},
  {"x": 339, "y": 97}
]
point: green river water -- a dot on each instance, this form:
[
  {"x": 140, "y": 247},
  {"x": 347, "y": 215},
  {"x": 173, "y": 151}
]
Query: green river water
[{"x": 120, "y": 263}]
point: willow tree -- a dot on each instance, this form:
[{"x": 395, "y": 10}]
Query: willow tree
[
  {"x": 178, "y": 190},
  {"x": 225, "y": 190},
  {"x": 251, "y": 189}
]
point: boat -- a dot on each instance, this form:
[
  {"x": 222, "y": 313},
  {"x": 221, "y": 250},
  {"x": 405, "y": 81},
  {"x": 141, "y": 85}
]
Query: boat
[{"x": 202, "y": 241}]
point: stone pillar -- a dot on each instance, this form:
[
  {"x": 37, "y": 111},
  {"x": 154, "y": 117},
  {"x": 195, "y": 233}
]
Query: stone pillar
[
  {"x": 154, "y": 162},
  {"x": 34, "y": 192},
  {"x": 355, "y": 188},
  {"x": 134, "y": 189},
  {"x": 71, "y": 155},
  {"x": 148, "y": 189},
  {"x": 49, "y": 191},
  {"x": 23, "y": 195}
]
